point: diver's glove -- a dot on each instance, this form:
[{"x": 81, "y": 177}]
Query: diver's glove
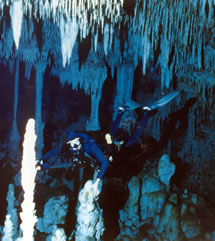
[
  {"x": 150, "y": 111},
  {"x": 41, "y": 165},
  {"x": 121, "y": 109},
  {"x": 146, "y": 108}
]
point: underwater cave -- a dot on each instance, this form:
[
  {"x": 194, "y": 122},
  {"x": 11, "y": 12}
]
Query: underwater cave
[{"x": 141, "y": 73}]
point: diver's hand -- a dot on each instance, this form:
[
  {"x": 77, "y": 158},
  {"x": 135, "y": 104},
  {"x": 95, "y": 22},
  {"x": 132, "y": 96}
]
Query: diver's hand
[{"x": 41, "y": 165}]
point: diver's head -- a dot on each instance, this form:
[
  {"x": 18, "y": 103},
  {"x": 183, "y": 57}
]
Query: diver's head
[
  {"x": 120, "y": 138},
  {"x": 75, "y": 144}
]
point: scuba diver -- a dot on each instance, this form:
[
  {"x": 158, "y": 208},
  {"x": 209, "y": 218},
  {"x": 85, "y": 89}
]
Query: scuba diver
[
  {"x": 133, "y": 147},
  {"x": 81, "y": 150},
  {"x": 121, "y": 136}
]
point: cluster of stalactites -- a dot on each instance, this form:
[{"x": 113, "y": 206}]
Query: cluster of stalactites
[
  {"x": 175, "y": 20},
  {"x": 89, "y": 14},
  {"x": 178, "y": 28},
  {"x": 72, "y": 16}
]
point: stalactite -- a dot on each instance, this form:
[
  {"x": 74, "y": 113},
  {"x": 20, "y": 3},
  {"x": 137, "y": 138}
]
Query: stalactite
[
  {"x": 29, "y": 51},
  {"x": 11, "y": 65},
  {"x": 1, "y": 9},
  {"x": 14, "y": 135},
  {"x": 40, "y": 69},
  {"x": 28, "y": 67},
  {"x": 16, "y": 14},
  {"x": 106, "y": 38},
  {"x": 159, "y": 24},
  {"x": 96, "y": 40},
  {"x": 200, "y": 53},
  {"x": 165, "y": 81},
  {"x": 69, "y": 33},
  {"x": 146, "y": 51},
  {"x": 96, "y": 91},
  {"x": 125, "y": 75},
  {"x": 16, "y": 90}
]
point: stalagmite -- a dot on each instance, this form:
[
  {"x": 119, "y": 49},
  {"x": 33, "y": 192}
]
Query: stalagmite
[
  {"x": 90, "y": 224},
  {"x": 11, "y": 222},
  {"x": 8, "y": 229},
  {"x": 28, "y": 182},
  {"x": 59, "y": 235}
]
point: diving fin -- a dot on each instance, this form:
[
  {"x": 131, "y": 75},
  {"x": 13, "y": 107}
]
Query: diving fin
[
  {"x": 163, "y": 101},
  {"x": 132, "y": 105}
]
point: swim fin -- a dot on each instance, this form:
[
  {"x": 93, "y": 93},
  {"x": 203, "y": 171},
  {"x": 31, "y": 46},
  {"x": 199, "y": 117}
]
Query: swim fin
[{"x": 163, "y": 101}]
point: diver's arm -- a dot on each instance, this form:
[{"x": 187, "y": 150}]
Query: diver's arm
[
  {"x": 104, "y": 166},
  {"x": 116, "y": 123},
  {"x": 53, "y": 152},
  {"x": 95, "y": 151},
  {"x": 139, "y": 130},
  {"x": 46, "y": 157}
]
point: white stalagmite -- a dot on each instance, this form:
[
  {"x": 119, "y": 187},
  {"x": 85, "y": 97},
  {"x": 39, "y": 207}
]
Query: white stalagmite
[
  {"x": 28, "y": 172},
  {"x": 8, "y": 229},
  {"x": 68, "y": 32},
  {"x": 16, "y": 14},
  {"x": 90, "y": 224},
  {"x": 11, "y": 222},
  {"x": 59, "y": 235}
]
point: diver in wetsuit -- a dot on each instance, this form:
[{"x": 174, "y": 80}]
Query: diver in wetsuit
[
  {"x": 121, "y": 136},
  {"x": 82, "y": 149}
]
